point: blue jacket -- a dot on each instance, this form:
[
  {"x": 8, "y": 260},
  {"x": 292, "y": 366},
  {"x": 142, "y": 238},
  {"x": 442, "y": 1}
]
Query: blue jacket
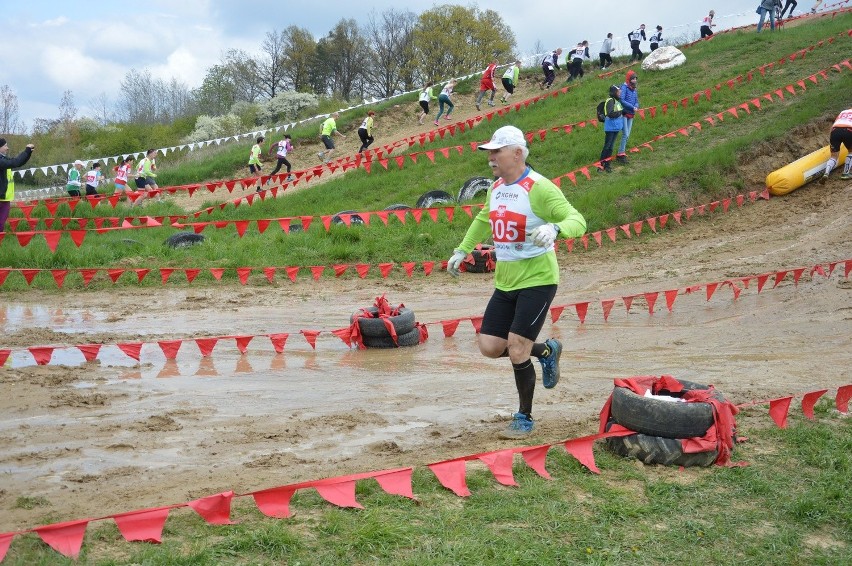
[
  {"x": 630, "y": 100},
  {"x": 614, "y": 120}
]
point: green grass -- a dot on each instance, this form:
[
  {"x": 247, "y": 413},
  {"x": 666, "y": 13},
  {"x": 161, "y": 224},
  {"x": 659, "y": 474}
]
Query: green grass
[{"x": 790, "y": 505}]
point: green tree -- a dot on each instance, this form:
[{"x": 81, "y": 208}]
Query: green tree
[
  {"x": 300, "y": 52},
  {"x": 342, "y": 57},
  {"x": 453, "y": 40}
]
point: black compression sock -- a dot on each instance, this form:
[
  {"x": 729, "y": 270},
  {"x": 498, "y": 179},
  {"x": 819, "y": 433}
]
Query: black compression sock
[{"x": 525, "y": 381}]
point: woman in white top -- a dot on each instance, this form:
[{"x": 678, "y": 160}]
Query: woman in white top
[
  {"x": 706, "y": 24},
  {"x": 444, "y": 98}
]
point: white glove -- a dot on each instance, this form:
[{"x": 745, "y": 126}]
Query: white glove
[
  {"x": 544, "y": 235},
  {"x": 454, "y": 263}
]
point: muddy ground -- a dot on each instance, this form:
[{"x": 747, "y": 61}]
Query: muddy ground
[{"x": 87, "y": 440}]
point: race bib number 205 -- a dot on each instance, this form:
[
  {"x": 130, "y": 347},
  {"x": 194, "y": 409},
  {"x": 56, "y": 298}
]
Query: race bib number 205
[{"x": 507, "y": 226}]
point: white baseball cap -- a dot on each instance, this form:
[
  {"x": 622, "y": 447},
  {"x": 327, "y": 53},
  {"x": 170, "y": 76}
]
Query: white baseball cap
[{"x": 507, "y": 135}]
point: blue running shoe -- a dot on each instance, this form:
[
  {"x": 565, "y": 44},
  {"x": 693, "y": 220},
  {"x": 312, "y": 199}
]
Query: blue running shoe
[
  {"x": 550, "y": 364},
  {"x": 520, "y": 427}
]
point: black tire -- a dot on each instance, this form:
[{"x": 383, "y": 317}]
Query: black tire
[
  {"x": 398, "y": 207},
  {"x": 474, "y": 187},
  {"x": 353, "y": 218},
  {"x": 432, "y": 198},
  {"x": 480, "y": 258},
  {"x": 655, "y": 417},
  {"x": 374, "y": 327},
  {"x": 184, "y": 239},
  {"x": 411, "y": 338},
  {"x": 295, "y": 228},
  {"x": 659, "y": 450}
]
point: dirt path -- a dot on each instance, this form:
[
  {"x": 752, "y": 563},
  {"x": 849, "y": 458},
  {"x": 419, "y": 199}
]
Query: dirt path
[{"x": 107, "y": 437}]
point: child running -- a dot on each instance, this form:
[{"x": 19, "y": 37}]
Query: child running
[
  {"x": 283, "y": 147},
  {"x": 425, "y": 97},
  {"x": 444, "y": 98}
]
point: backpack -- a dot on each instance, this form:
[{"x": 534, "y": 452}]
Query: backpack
[{"x": 601, "y": 111}]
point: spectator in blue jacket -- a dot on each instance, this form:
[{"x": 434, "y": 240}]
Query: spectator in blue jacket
[
  {"x": 613, "y": 123},
  {"x": 630, "y": 103}
]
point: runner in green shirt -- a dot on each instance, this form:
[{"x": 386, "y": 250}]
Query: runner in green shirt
[
  {"x": 328, "y": 127},
  {"x": 510, "y": 80},
  {"x": 75, "y": 182},
  {"x": 254, "y": 159},
  {"x": 524, "y": 213}
]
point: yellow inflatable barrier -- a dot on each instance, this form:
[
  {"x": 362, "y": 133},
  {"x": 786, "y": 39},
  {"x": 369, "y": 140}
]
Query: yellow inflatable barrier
[{"x": 790, "y": 177}]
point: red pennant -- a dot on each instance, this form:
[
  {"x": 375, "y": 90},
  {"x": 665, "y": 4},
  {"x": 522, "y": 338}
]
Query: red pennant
[
  {"x": 170, "y": 348},
  {"x": 64, "y": 538},
  {"x": 450, "y": 327},
  {"x": 500, "y": 464},
  {"x": 476, "y": 321},
  {"x": 317, "y": 271},
  {"x": 671, "y": 295},
  {"x": 581, "y": 449},
  {"x": 131, "y": 349},
  {"x": 243, "y": 342},
  {"x": 429, "y": 265},
  {"x": 29, "y": 274},
  {"x": 607, "y": 305},
  {"x": 217, "y": 273},
  {"x": 165, "y": 273},
  {"x": 397, "y": 482},
  {"x": 243, "y": 274},
  {"x": 274, "y": 502},
  {"x": 215, "y": 509},
  {"x": 4, "y": 355},
  {"x": 451, "y": 474},
  {"x": 58, "y": 276},
  {"x": 42, "y": 354},
  {"x": 89, "y": 351},
  {"x": 141, "y": 273},
  {"x": 311, "y": 337},
  {"x": 191, "y": 274},
  {"x": 52, "y": 239},
  {"x": 627, "y": 302},
  {"x": 809, "y": 400},
  {"x": 341, "y": 494},
  {"x": 362, "y": 269},
  {"x": 651, "y": 299},
  {"x": 611, "y": 233},
  {"x": 582, "y": 309},
  {"x": 385, "y": 269},
  {"x": 841, "y": 400},
  {"x": 555, "y": 313},
  {"x": 292, "y": 272},
  {"x": 535, "y": 458},
  {"x": 778, "y": 409},
  {"x": 143, "y": 526},
  {"x": 206, "y": 345}
]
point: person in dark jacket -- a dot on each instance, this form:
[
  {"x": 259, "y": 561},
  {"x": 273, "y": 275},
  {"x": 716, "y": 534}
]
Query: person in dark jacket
[
  {"x": 636, "y": 37},
  {"x": 577, "y": 56},
  {"x": 613, "y": 124},
  {"x": 7, "y": 178}
]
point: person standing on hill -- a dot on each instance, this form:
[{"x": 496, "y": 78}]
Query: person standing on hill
[
  {"x": 524, "y": 213},
  {"x": 444, "y": 99},
  {"x": 767, "y": 7},
  {"x": 789, "y": 4},
  {"x": 578, "y": 55},
  {"x": 365, "y": 132},
  {"x": 656, "y": 39},
  {"x": 510, "y": 81},
  {"x": 606, "y": 52},
  {"x": 75, "y": 179},
  {"x": 486, "y": 84},
  {"x": 706, "y": 24},
  {"x": 281, "y": 149},
  {"x": 426, "y": 96},
  {"x": 549, "y": 65},
  {"x": 841, "y": 133},
  {"x": 7, "y": 178},
  {"x": 636, "y": 37},
  {"x": 613, "y": 124},
  {"x": 630, "y": 103},
  {"x": 329, "y": 127}
]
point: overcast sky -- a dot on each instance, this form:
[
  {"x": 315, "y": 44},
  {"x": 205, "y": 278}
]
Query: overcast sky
[{"x": 87, "y": 46}]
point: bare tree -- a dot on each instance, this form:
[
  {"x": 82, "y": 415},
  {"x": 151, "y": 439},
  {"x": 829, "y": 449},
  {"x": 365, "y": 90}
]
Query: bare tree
[
  {"x": 67, "y": 108},
  {"x": 390, "y": 37},
  {"x": 10, "y": 122},
  {"x": 102, "y": 108},
  {"x": 145, "y": 100},
  {"x": 241, "y": 70},
  {"x": 270, "y": 65}
]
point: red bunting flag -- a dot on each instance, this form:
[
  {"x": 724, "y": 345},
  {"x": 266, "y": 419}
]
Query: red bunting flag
[
  {"x": 451, "y": 474},
  {"x": 311, "y": 337},
  {"x": 41, "y": 354},
  {"x": 841, "y": 400},
  {"x": 450, "y": 327},
  {"x": 476, "y": 321},
  {"x": 555, "y": 313},
  {"x": 778, "y": 410},
  {"x": 809, "y": 400},
  {"x": 341, "y": 494},
  {"x": 215, "y": 509},
  {"x": 582, "y": 309},
  {"x": 607, "y": 305},
  {"x": 274, "y": 502},
  {"x": 145, "y": 525},
  {"x": 64, "y": 538},
  {"x": 581, "y": 449},
  {"x": 170, "y": 348},
  {"x": 500, "y": 464},
  {"x": 671, "y": 295},
  {"x": 131, "y": 349}
]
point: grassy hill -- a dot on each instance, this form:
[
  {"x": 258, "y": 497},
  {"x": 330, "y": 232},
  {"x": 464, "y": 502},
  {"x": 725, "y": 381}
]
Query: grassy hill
[{"x": 672, "y": 172}]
